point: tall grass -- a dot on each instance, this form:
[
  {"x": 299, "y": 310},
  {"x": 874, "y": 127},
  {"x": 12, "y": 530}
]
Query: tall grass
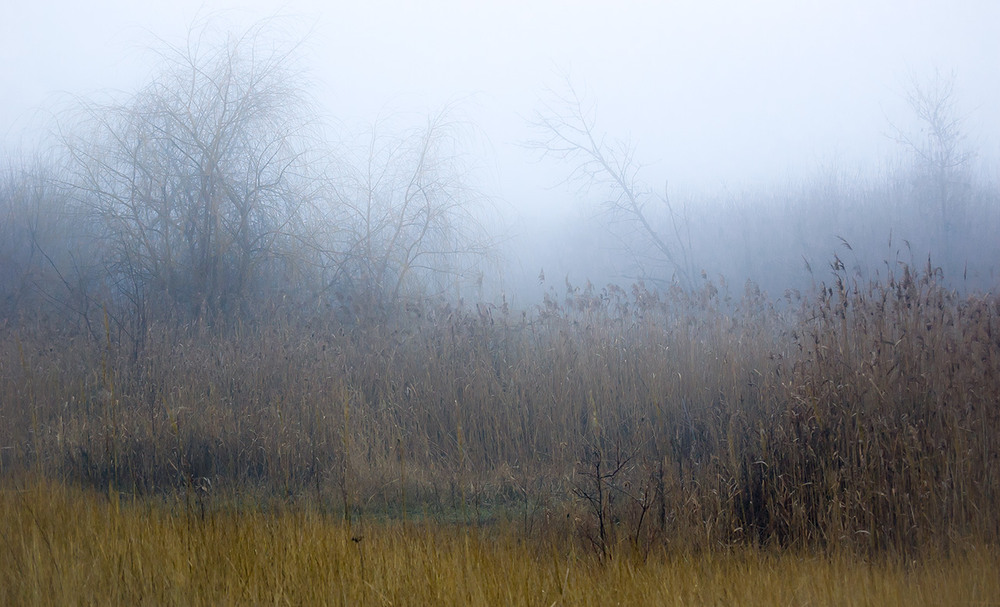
[
  {"x": 861, "y": 417},
  {"x": 70, "y": 546}
]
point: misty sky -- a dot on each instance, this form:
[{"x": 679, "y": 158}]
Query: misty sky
[{"x": 712, "y": 92}]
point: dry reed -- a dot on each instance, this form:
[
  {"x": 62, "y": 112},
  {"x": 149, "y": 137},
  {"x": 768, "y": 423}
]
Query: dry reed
[{"x": 861, "y": 417}]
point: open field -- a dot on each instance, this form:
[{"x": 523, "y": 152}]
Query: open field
[
  {"x": 841, "y": 447},
  {"x": 67, "y": 546}
]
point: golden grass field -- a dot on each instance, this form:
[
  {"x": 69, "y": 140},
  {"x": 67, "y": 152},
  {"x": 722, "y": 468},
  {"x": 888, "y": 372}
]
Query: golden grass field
[
  {"x": 607, "y": 447},
  {"x": 69, "y": 546}
]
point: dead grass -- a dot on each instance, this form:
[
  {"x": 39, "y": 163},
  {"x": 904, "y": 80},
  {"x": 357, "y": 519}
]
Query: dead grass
[{"x": 71, "y": 546}]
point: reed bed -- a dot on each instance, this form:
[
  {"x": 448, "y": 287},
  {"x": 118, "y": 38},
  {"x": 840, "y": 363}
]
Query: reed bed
[{"x": 861, "y": 417}]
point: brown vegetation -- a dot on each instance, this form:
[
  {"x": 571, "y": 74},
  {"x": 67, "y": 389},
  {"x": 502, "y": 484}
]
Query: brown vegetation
[
  {"x": 62, "y": 546},
  {"x": 862, "y": 417}
]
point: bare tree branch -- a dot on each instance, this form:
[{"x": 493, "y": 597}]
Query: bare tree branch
[{"x": 568, "y": 131}]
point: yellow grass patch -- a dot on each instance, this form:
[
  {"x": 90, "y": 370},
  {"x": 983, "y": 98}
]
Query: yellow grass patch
[{"x": 68, "y": 546}]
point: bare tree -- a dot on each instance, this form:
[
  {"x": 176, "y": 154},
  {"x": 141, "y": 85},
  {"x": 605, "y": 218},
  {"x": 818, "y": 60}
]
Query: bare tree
[
  {"x": 212, "y": 189},
  {"x": 197, "y": 182},
  {"x": 568, "y": 131},
  {"x": 941, "y": 156}
]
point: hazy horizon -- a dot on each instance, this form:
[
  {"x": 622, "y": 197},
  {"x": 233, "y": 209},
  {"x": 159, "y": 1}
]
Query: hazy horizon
[{"x": 717, "y": 97}]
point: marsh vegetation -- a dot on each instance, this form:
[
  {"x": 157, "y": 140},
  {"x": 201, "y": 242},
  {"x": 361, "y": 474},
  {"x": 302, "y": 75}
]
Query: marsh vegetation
[{"x": 235, "y": 366}]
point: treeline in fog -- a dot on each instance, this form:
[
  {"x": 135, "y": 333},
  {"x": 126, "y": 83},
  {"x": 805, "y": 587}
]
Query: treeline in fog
[
  {"x": 934, "y": 199},
  {"x": 212, "y": 192},
  {"x": 217, "y": 190}
]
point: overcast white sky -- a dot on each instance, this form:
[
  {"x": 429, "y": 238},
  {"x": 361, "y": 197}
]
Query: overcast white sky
[{"x": 711, "y": 90}]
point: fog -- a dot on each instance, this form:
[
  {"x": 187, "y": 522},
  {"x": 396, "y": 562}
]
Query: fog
[{"x": 772, "y": 127}]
